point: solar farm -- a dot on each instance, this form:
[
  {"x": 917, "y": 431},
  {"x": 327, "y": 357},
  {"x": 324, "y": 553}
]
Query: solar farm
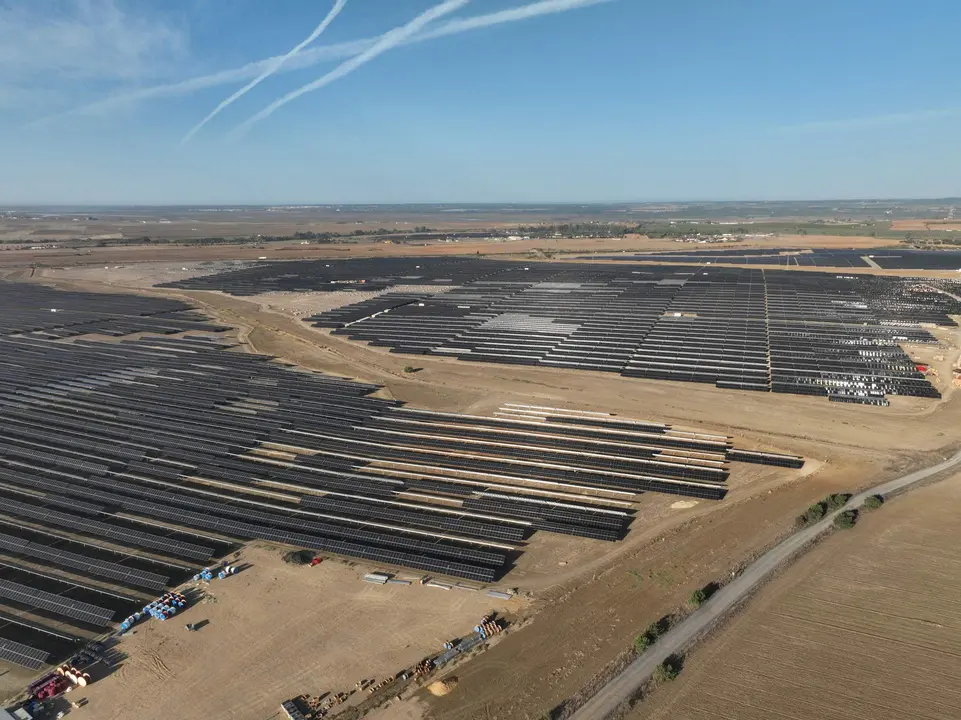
[
  {"x": 137, "y": 446},
  {"x": 820, "y": 334},
  {"x": 878, "y": 258}
]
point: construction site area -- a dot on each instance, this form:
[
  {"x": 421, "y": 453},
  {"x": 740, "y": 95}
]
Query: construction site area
[{"x": 386, "y": 487}]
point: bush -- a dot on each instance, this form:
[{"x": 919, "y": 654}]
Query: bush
[
  {"x": 647, "y": 638},
  {"x": 298, "y": 557},
  {"x": 409, "y": 369},
  {"x": 666, "y": 671},
  {"x": 814, "y": 513},
  {"x": 873, "y": 502},
  {"x": 642, "y": 642},
  {"x": 836, "y": 501},
  {"x": 846, "y": 520},
  {"x": 697, "y": 598}
]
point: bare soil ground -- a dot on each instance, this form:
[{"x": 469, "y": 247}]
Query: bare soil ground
[
  {"x": 276, "y": 631},
  {"x": 588, "y": 599},
  {"x": 582, "y": 627},
  {"x": 864, "y": 626},
  {"x": 925, "y": 225}
]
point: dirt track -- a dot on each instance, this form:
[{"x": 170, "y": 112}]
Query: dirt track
[
  {"x": 680, "y": 637},
  {"x": 865, "y": 626}
]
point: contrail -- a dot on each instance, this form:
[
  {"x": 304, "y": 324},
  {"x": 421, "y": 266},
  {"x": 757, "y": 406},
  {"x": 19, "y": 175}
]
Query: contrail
[
  {"x": 273, "y": 65},
  {"x": 315, "y": 56},
  {"x": 387, "y": 41},
  {"x": 544, "y": 7}
]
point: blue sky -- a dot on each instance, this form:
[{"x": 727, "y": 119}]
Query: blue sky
[{"x": 566, "y": 100}]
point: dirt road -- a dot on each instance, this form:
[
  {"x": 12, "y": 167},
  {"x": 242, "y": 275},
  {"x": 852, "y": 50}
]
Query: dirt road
[{"x": 622, "y": 687}]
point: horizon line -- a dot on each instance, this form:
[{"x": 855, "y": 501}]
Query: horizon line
[{"x": 448, "y": 203}]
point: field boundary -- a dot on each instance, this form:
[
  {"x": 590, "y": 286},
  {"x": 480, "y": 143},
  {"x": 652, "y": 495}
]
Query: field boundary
[{"x": 623, "y": 687}]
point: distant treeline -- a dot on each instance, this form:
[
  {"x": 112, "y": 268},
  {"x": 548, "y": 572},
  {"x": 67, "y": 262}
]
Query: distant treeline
[
  {"x": 314, "y": 237},
  {"x": 657, "y": 229}
]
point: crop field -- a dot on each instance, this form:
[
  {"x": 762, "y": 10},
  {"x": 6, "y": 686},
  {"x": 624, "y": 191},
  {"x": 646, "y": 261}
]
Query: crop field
[{"x": 865, "y": 626}]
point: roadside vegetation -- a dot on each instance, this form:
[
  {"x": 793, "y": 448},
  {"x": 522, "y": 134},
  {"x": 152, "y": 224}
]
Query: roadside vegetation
[
  {"x": 819, "y": 509},
  {"x": 846, "y": 520},
  {"x": 668, "y": 670}
]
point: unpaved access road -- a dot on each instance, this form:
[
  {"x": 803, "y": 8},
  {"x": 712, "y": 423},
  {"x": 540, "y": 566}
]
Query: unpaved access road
[{"x": 622, "y": 687}]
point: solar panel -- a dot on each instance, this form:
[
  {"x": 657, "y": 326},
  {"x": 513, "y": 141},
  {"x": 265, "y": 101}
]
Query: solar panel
[
  {"x": 90, "y": 566},
  {"x": 22, "y": 655},
  {"x": 56, "y": 604},
  {"x": 113, "y": 532}
]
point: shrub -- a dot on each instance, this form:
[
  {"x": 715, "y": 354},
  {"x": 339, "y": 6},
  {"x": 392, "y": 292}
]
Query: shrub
[
  {"x": 697, "y": 598},
  {"x": 409, "y": 369},
  {"x": 642, "y": 642},
  {"x": 647, "y": 638},
  {"x": 666, "y": 671},
  {"x": 298, "y": 557},
  {"x": 814, "y": 513},
  {"x": 846, "y": 520},
  {"x": 873, "y": 502},
  {"x": 836, "y": 501}
]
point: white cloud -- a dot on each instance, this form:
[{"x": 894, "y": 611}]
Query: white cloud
[
  {"x": 43, "y": 44},
  {"x": 326, "y": 53}
]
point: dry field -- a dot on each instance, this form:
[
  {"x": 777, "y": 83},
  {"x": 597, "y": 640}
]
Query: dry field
[
  {"x": 925, "y": 225},
  {"x": 183, "y": 254},
  {"x": 276, "y": 631},
  {"x": 867, "y": 625}
]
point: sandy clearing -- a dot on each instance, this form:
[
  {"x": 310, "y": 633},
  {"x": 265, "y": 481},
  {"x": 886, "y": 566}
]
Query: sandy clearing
[{"x": 276, "y": 631}]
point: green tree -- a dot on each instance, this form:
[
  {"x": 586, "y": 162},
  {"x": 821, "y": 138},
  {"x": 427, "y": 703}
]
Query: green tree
[
  {"x": 873, "y": 502},
  {"x": 697, "y": 598},
  {"x": 837, "y": 501},
  {"x": 846, "y": 520},
  {"x": 665, "y": 672},
  {"x": 642, "y": 642}
]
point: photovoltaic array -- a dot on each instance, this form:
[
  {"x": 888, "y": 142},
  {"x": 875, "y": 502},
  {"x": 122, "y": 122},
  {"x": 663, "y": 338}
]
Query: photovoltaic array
[
  {"x": 24, "y": 655},
  {"x": 741, "y": 328},
  {"x": 885, "y": 258},
  {"x": 133, "y": 463}
]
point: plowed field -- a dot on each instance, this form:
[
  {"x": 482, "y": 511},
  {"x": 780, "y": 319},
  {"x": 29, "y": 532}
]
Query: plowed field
[{"x": 868, "y": 625}]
